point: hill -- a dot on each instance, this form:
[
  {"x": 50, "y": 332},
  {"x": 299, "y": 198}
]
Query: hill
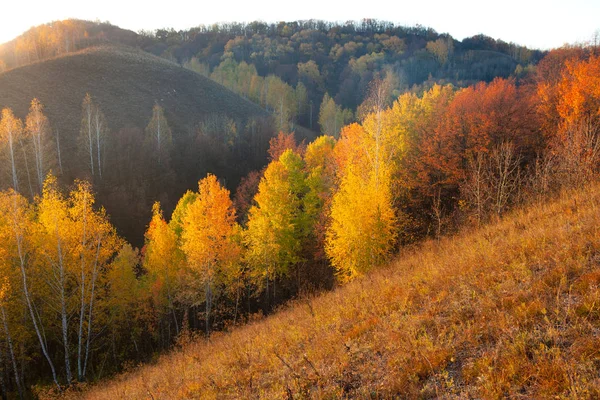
[
  {"x": 126, "y": 83},
  {"x": 289, "y": 67},
  {"x": 508, "y": 310},
  {"x": 61, "y": 37}
]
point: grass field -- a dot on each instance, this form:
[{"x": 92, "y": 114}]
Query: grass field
[{"x": 508, "y": 310}]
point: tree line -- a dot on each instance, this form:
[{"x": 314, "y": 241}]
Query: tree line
[
  {"x": 288, "y": 67},
  {"x": 77, "y": 301}
]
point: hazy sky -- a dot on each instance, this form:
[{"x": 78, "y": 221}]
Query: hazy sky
[{"x": 534, "y": 23}]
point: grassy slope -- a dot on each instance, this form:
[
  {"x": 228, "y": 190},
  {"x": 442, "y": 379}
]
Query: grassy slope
[
  {"x": 512, "y": 309},
  {"x": 126, "y": 83}
]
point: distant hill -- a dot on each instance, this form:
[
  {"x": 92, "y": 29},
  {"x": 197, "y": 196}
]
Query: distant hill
[
  {"x": 126, "y": 83},
  {"x": 507, "y": 311},
  {"x": 59, "y": 38}
]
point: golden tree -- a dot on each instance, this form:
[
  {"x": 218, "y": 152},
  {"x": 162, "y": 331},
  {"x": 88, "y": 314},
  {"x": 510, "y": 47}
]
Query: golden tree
[
  {"x": 163, "y": 262},
  {"x": 208, "y": 239}
]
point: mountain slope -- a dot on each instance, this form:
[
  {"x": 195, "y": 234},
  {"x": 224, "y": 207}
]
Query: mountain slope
[
  {"x": 125, "y": 83},
  {"x": 509, "y": 310}
]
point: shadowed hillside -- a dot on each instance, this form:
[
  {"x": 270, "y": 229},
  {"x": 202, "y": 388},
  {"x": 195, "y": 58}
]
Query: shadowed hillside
[
  {"x": 508, "y": 310},
  {"x": 126, "y": 83}
]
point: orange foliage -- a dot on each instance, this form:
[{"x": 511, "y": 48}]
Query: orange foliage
[
  {"x": 245, "y": 192},
  {"x": 579, "y": 92},
  {"x": 282, "y": 142},
  {"x": 549, "y": 73},
  {"x": 350, "y": 148},
  {"x": 478, "y": 118}
]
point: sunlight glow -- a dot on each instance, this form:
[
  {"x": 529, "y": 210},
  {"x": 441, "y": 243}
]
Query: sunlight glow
[{"x": 540, "y": 24}]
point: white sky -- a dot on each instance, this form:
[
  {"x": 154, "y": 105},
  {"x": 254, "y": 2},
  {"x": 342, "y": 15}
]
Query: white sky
[{"x": 534, "y": 23}]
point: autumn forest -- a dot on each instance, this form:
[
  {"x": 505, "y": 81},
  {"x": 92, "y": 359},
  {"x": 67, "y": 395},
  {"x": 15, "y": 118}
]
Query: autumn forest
[{"x": 123, "y": 237}]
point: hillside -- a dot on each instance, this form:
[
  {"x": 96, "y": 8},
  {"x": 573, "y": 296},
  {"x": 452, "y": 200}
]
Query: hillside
[
  {"x": 126, "y": 83},
  {"x": 508, "y": 310},
  {"x": 289, "y": 67}
]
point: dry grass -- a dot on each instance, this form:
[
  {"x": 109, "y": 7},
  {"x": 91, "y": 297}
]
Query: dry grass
[{"x": 510, "y": 310}]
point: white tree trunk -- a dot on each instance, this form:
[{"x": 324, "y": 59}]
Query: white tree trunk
[
  {"x": 12, "y": 352},
  {"x": 26, "y": 168},
  {"x": 90, "y": 140},
  {"x": 12, "y": 161},
  {"x": 58, "y": 150},
  {"x": 98, "y": 128},
  {"x": 92, "y": 297},
  {"x": 63, "y": 306},
  {"x": 82, "y": 298},
  {"x": 19, "y": 239}
]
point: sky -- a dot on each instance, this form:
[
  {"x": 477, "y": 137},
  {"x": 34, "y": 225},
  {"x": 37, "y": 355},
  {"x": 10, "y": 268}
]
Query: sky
[{"x": 533, "y": 23}]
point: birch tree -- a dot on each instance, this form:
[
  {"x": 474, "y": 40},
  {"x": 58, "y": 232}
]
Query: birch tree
[
  {"x": 6, "y": 295},
  {"x": 38, "y": 132},
  {"x": 97, "y": 243},
  {"x": 56, "y": 250},
  {"x": 11, "y": 129},
  {"x": 100, "y": 131},
  {"x": 159, "y": 134},
  {"x": 86, "y": 133},
  {"x": 16, "y": 216},
  {"x": 77, "y": 242},
  {"x": 362, "y": 230},
  {"x": 93, "y": 134}
]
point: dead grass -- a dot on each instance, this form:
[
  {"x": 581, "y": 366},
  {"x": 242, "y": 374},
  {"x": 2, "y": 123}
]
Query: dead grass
[{"x": 510, "y": 310}]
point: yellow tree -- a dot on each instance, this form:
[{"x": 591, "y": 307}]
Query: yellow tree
[
  {"x": 125, "y": 299},
  {"x": 276, "y": 224},
  {"x": 176, "y": 222},
  {"x": 8, "y": 305},
  {"x": 208, "y": 239},
  {"x": 19, "y": 233},
  {"x": 320, "y": 169},
  {"x": 55, "y": 248},
  {"x": 162, "y": 260},
  {"x": 362, "y": 230},
  {"x": 95, "y": 242}
]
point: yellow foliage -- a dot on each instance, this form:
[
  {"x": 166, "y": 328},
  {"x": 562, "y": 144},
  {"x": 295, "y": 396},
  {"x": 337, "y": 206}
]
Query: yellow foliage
[
  {"x": 362, "y": 230},
  {"x": 208, "y": 236}
]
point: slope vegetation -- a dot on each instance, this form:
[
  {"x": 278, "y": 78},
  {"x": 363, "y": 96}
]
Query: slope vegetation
[{"x": 508, "y": 310}]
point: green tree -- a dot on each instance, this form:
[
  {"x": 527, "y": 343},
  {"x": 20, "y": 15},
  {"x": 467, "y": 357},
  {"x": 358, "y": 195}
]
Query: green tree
[{"x": 276, "y": 224}]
